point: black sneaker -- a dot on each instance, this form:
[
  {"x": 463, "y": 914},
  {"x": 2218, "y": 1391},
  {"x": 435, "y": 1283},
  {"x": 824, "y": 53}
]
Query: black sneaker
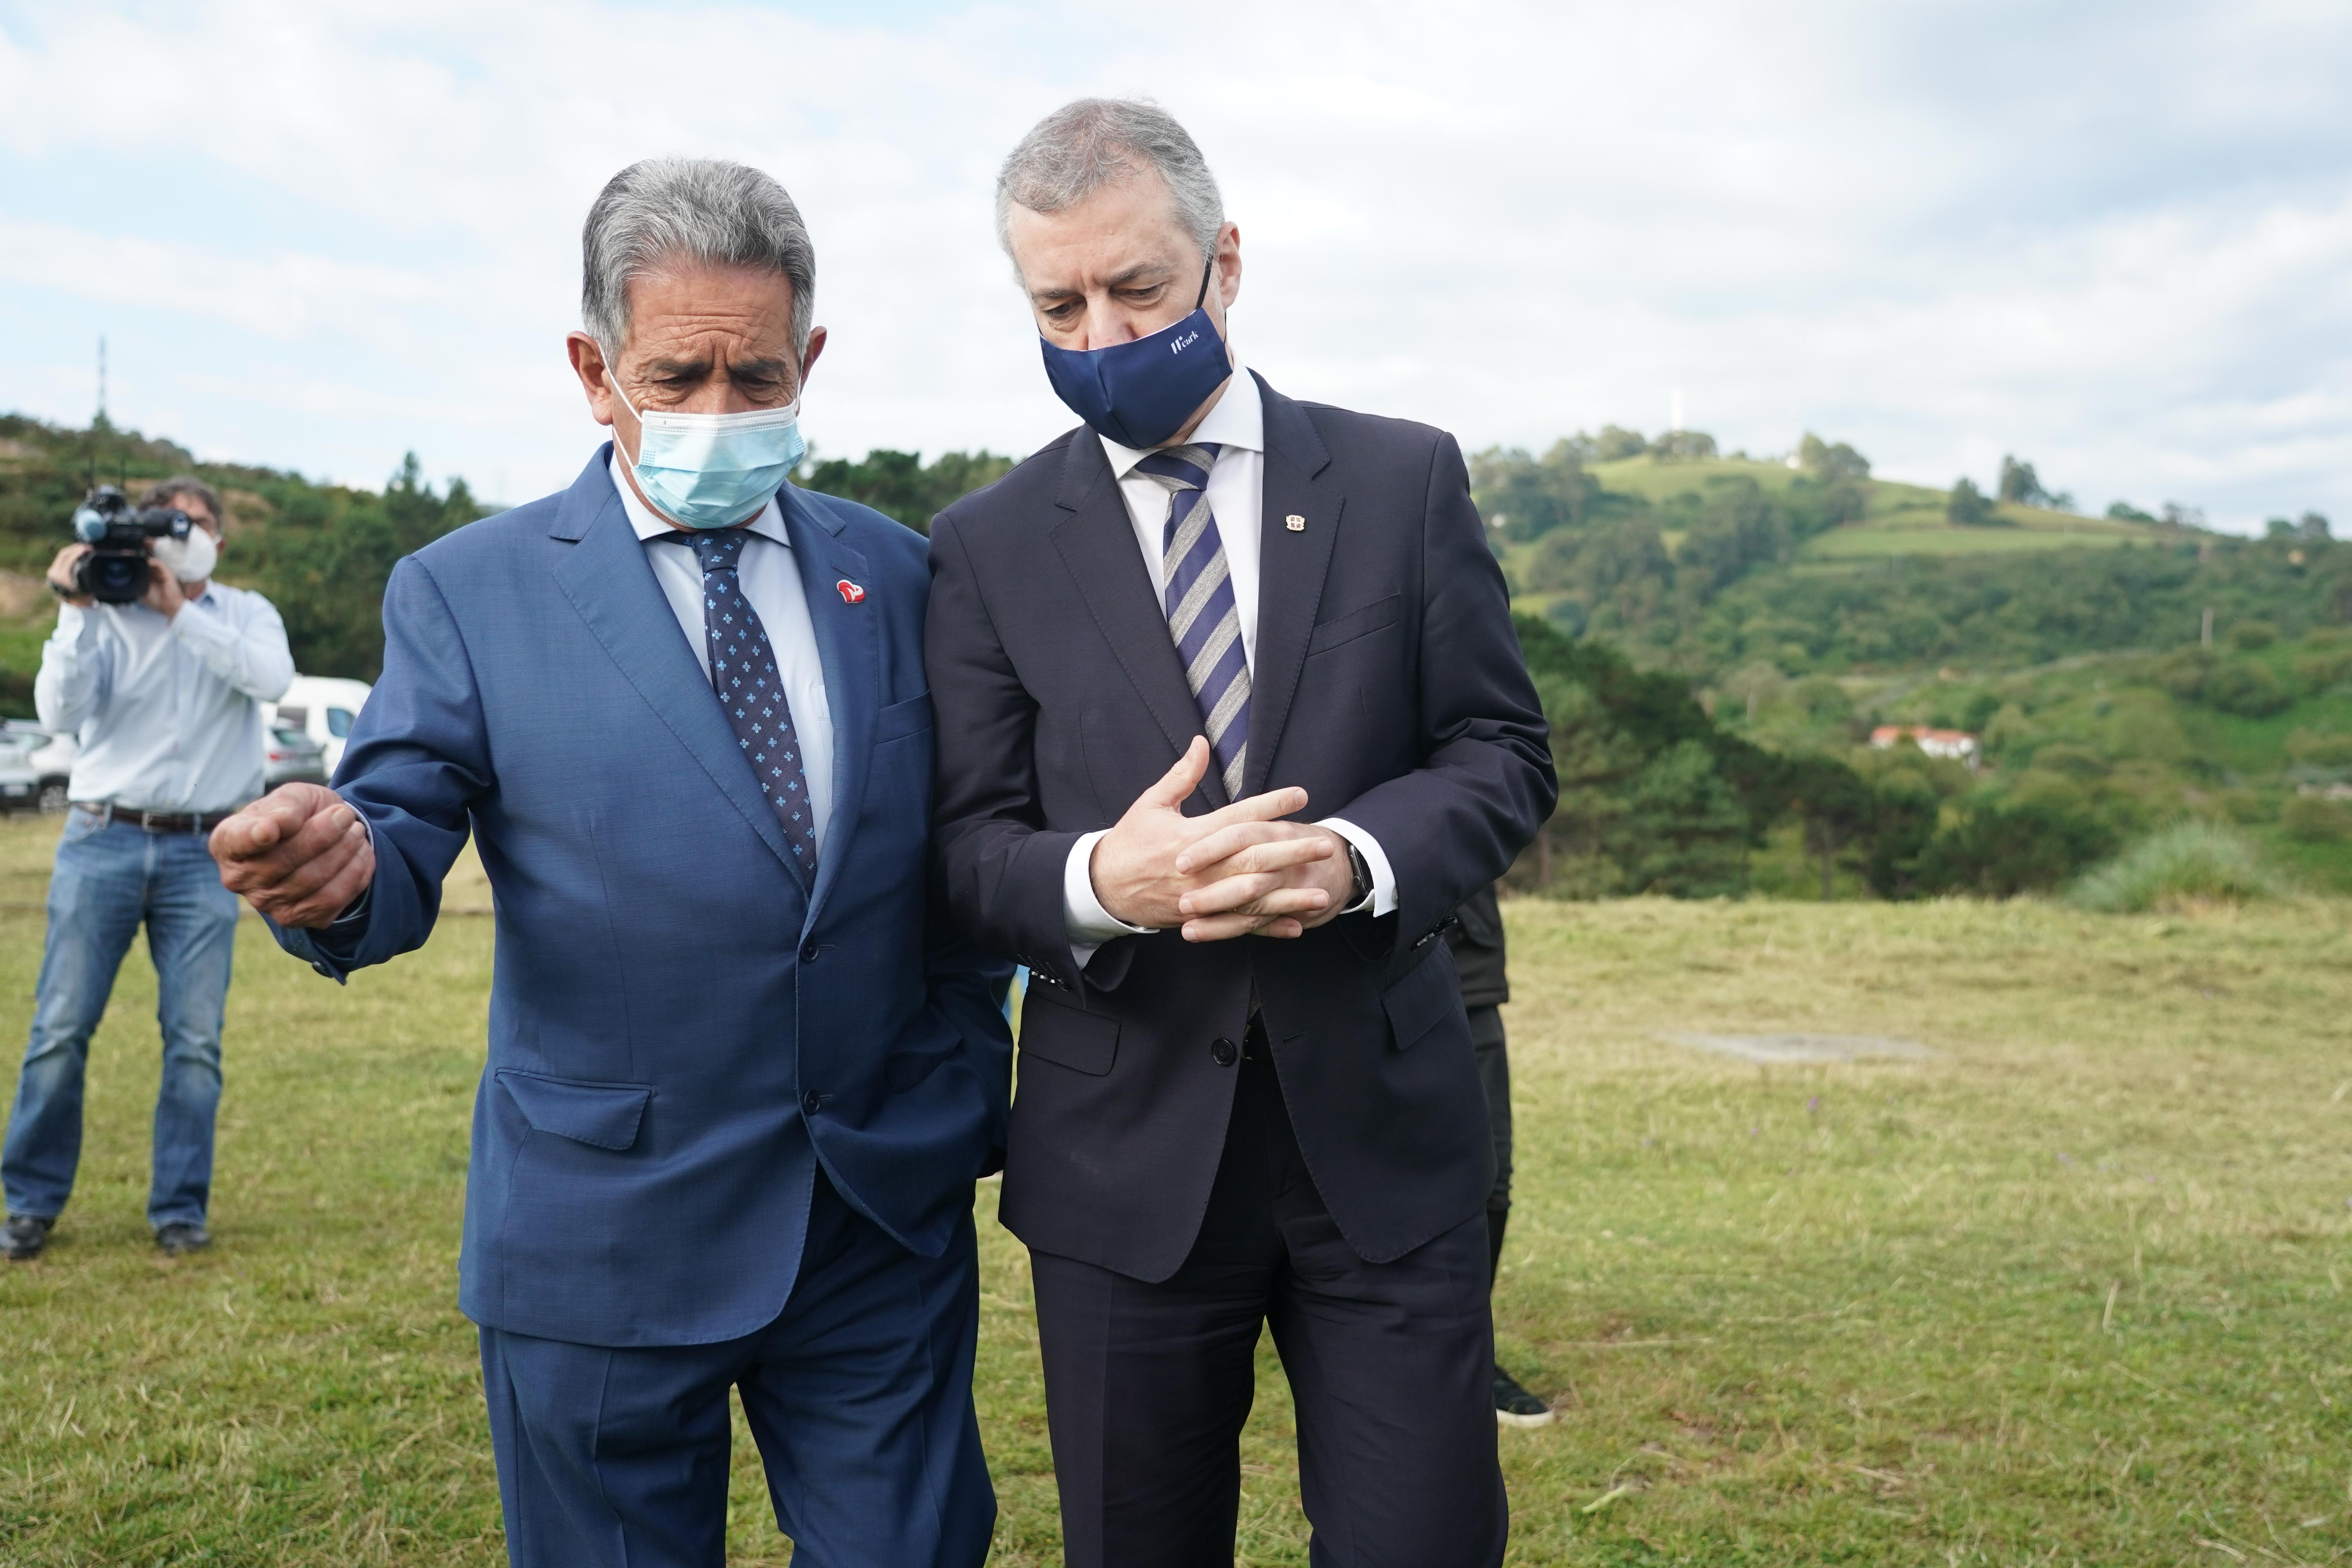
[
  {"x": 28, "y": 1234},
  {"x": 1515, "y": 1406},
  {"x": 180, "y": 1236}
]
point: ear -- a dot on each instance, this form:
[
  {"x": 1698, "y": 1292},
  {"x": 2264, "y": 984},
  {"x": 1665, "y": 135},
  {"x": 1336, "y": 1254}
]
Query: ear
[
  {"x": 1225, "y": 282},
  {"x": 808, "y": 359},
  {"x": 588, "y": 364}
]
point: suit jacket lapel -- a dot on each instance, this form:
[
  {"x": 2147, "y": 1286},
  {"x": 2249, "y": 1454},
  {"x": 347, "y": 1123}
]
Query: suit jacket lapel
[
  {"x": 1291, "y": 568},
  {"x": 1097, "y": 543},
  {"x": 848, "y": 644},
  {"x": 606, "y": 577}
]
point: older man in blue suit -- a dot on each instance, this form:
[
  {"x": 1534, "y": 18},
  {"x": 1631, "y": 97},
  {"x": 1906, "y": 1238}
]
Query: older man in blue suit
[{"x": 740, "y": 1085}]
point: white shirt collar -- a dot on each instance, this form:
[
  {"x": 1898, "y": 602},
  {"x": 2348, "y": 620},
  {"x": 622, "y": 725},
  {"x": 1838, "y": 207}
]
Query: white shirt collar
[
  {"x": 1238, "y": 420},
  {"x": 769, "y": 524}
]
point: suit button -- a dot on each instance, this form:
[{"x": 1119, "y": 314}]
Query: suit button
[
  {"x": 811, "y": 1100},
  {"x": 808, "y": 951},
  {"x": 1223, "y": 1052}
]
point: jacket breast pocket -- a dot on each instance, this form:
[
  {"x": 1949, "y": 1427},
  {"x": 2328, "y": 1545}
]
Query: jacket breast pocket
[
  {"x": 1425, "y": 998},
  {"x": 1377, "y": 616},
  {"x": 900, "y": 720},
  {"x": 1067, "y": 1036},
  {"x": 602, "y": 1115}
]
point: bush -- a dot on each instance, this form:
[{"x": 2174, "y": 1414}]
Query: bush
[
  {"x": 2324, "y": 668},
  {"x": 2187, "y": 861},
  {"x": 2319, "y": 748},
  {"x": 2243, "y": 687},
  {"x": 1998, "y": 849},
  {"x": 1967, "y": 508},
  {"x": 2247, "y": 636},
  {"x": 2315, "y": 819}
]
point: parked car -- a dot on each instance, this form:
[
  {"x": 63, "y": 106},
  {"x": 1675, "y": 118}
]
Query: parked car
[
  {"x": 323, "y": 708},
  {"x": 293, "y": 758},
  {"x": 20, "y": 782},
  {"x": 51, "y": 755}
]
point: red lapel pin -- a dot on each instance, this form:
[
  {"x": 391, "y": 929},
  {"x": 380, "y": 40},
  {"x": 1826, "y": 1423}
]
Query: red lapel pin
[{"x": 851, "y": 593}]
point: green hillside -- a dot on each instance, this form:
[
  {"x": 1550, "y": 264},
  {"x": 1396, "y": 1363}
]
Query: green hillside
[{"x": 319, "y": 553}]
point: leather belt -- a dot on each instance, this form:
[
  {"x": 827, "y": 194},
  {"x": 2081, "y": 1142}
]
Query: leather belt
[{"x": 156, "y": 821}]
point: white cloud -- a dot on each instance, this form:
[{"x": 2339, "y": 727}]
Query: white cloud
[{"x": 2113, "y": 238}]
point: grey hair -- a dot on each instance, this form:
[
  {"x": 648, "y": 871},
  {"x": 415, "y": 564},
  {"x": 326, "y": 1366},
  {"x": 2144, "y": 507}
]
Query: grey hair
[
  {"x": 704, "y": 211},
  {"x": 167, "y": 492},
  {"x": 1096, "y": 141}
]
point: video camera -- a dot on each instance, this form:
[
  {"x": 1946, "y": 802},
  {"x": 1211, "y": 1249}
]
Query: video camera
[{"x": 118, "y": 535}]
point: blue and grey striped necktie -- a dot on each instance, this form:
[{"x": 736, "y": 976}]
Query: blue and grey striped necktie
[{"x": 1202, "y": 615}]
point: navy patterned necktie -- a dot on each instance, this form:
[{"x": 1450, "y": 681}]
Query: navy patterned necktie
[
  {"x": 1202, "y": 618},
  {"x": 743, "y": 673}
]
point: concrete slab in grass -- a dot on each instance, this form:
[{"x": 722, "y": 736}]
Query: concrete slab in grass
[{"x": 1796, "y": 1050}]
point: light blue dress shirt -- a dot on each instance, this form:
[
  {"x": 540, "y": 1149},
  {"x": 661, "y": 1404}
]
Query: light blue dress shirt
[{"x": 167, "y": 712}]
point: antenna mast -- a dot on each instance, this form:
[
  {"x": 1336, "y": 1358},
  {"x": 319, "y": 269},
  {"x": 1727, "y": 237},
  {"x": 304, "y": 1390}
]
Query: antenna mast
[{"x": 102, "y": 376}]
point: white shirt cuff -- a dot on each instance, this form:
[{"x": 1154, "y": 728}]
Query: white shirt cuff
[
  {"x": 1089, "y": 924},
  {"x": 1384, "y": 896}
]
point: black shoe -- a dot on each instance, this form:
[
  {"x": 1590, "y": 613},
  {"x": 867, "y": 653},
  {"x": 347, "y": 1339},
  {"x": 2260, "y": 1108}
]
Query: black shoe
[
  {"x": 1515, "y": 1406},
  {"x": 180, "y": 1236},
  {"x": 28, "y": 1234}
]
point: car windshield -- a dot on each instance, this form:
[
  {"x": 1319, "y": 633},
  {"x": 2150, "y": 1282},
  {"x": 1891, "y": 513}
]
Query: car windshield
[{"x": 339, "y": 723}]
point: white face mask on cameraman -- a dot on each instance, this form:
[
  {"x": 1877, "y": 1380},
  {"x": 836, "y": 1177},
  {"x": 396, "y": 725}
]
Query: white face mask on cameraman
[{"x": 191, "y": 559}]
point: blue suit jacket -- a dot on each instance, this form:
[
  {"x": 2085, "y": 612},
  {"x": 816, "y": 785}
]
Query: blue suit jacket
[{"x": 678, "y": 1031}]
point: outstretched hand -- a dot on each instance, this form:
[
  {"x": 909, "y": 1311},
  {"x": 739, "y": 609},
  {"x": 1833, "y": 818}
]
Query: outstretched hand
[
  {"x": 299, "y": 855},
  {"x": 1234, "y": 872}
]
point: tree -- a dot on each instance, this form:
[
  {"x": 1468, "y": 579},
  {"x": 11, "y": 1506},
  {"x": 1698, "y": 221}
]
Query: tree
[
  {"x": 1968, "y": 506},
  {"x": 2020, "y": 483},
  {"x": 1523, "y": 499},
  {"x": 1824, "y": 461},
  {"x": 1683, "y": 447},
  {"x": 2123, "y": 511},
  {"x": 900, "y": 485},
  {"x": 2312, "y": 526},
  {"x": 1614, "y": 442}
]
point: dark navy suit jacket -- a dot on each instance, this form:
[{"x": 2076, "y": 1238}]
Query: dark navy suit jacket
[
  {"x": 678, "y": 1030},
  {"x": 1387, "y": 682}
]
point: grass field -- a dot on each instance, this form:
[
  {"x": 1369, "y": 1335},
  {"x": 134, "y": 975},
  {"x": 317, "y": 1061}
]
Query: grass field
[{"x": 2069, "y": 1291}]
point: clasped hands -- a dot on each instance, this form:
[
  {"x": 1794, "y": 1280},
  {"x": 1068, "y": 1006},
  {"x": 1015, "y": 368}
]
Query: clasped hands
[{"x": 1233, "y": 872}]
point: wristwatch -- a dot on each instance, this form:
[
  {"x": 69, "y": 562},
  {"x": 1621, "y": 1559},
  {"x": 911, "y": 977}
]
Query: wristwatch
[{"x": 1362, "y": 890}]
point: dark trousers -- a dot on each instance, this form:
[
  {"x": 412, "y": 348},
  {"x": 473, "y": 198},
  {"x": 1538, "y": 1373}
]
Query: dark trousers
[
  {"x": 1487, "y": 1042},
  {"x": 859, "y": 1395},
  {"x": 1147, "y": 1386}
]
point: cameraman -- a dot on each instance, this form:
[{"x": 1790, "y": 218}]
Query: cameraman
[{"x": 163, "y": 695}]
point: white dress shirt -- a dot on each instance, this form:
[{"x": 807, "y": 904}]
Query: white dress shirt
[
  {"x": 167, "y": 712},
  {"x": 1236, "y": 494},
  {"x": 771, "y": 584}
]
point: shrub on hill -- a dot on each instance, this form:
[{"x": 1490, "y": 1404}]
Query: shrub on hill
[
  {"x": 2315, "y": 819},
  {"x": 2188, "y": 861},
  {"x": 901, "y": 485}
]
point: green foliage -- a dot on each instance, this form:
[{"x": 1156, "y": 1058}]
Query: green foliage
[
  {"x": 2186, "y": 863},
  {"x": 901, "y": 485},
  {"x": 2123, "y": 511},
  {"x": 1967, "y": 508},
  {"x": 1831, "y": 463},
  {"x": 2020, "y": 483},
  {"x": 1999, "y": 848},
  {"x": 2315, "y": 819},
  {"x": 2250, "y": 636},
  {"x": 1614, "y": 442},
  {"x": 321, "y": 553},
  {"x": 1523, "y": 498}
]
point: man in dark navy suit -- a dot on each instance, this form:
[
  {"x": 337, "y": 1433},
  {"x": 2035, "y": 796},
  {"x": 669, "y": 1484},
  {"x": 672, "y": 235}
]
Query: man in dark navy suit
[
  {"x": 1232, "y": 718},
  {"x": 738, "y": 1093}
]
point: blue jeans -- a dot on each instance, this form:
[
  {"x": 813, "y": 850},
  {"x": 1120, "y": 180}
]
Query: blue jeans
[{"x": 110, "y": 876}]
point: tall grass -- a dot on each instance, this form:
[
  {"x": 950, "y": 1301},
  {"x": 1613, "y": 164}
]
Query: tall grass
[{"x": 2185, "y": 863}]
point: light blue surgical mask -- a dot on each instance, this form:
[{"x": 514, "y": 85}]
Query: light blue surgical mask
[{"x": 712, "y": 470}]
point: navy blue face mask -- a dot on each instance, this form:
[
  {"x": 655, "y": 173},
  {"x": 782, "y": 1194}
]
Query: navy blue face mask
[{"x": 1139, "y": 394}]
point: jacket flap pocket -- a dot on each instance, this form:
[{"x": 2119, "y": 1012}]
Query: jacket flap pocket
[
  {"x": 1424, "y": 998},
  {"x": 1055, "y": 1031},
  {"x": 604, "y": 1114},
  {"x": 902, "y": 717},
  {"x": 1353, "y": 624}
]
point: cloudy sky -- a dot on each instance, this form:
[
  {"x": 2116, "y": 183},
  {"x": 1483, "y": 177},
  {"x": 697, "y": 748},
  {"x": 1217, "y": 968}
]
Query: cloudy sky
[{"x": 2113, "y": 238}]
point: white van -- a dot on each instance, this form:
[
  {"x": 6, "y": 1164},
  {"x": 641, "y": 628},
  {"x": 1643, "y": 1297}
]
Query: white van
[{"x": 323, "y": 708}]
